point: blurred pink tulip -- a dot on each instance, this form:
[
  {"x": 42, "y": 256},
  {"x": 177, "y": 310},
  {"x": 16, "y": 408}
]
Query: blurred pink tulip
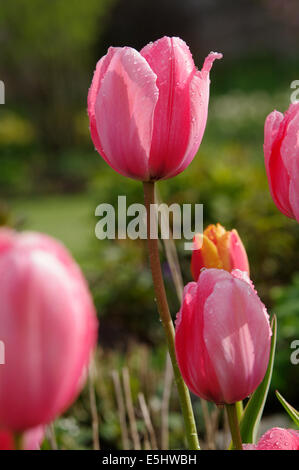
[
  {"x": 148, "y": 109},
  {"x": 218, "y": 248},
  {"x": 32, "y": 439},
  {"x": 48, "y": 326},
  {"x": 276, "y": 439},
  {"x": 281, "y": 149},
  {"x": 222, "y": 336}
]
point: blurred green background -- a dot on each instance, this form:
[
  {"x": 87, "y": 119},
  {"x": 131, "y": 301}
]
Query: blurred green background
[{"x": 51, "y": 178}]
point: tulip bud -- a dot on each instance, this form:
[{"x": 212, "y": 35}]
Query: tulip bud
[
  {"x": 148, "y": 109},
  {"x": 222, "y": 336},
  {"x": 281, "y": 150},
  {"x": 218, "y": 248},
  {"x": 47, "y": 325},
  {"x": 31, "y": 439},
  {"x": 276, "y": 439}
]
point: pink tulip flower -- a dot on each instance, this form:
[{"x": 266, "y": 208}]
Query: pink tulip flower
[
  {"x": 222, "y": 336},
  {"x": 32, "y": 439},
  {"x": 148, "y": 109},
  {"x": 47, "y": 325},
  {"x": 276, "y": 439},
  {"x": 281, "y": 149},
  {"x": 218, "y": 248}
]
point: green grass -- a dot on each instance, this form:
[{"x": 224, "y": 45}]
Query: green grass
[{"x": 68, "y": 218}]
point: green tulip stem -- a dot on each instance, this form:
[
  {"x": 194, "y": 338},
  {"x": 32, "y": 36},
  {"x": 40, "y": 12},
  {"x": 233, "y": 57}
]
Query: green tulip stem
[
  {"x": 18, "y": 440},
  {"x": 162, "y": 304},
  {"x": 239, "y": 408},
  {"x": 234, "y": 426}
]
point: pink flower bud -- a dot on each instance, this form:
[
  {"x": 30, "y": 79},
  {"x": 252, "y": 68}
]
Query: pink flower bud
[
  {"x": 148, "y": 109},
  {"x": 222, "y": 336},
  {"x": 281, "y": 149},
  {"x": 31, "y": 439},
  {"x": 276, "y": 439},
  {"x": 218, "y": 248},
  {"x": 48, "y": 327}
]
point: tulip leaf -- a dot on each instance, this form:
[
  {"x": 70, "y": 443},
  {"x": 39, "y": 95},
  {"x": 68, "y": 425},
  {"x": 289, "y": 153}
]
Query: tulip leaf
[
  {"x": 292, "y": 412},
  {"x": 254, "y": 409}
]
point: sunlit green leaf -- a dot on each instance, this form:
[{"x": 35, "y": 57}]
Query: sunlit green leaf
[
  {"x": 292, "y": 412},
  {"x": 255, "y": 406}
]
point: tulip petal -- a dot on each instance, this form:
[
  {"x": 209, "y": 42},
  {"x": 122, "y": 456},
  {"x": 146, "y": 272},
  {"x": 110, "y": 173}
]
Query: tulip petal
[
  {"x": 208, "y": 63},
  {"x": 214, "y": 232},
  {"x": 224, "y": 249},
  {"x": 232, "y": 252},
  {"x": 271, "y": 132},
  {"x": 238, "y": 255},
  {"x": 290, "y": 155},
  {"x": 32, "y": 439},
  {"x": 171, "y": 60},
  {"x": 210, "y": 254},
  {"x": 205, "y": 257},
  {"x": 100, "y": 70},
  {"x": 253, "y": 411},
  {"x": 294, "y": 191},
  {"x": 48, "y": 325},
  {"x": 124, "y": 110},
  {"x": 199, "y": 102},
  {"x": 184, "y": 326},
  {"x": 6, "y": 239},
  {"x": 193, "y": 361},
  {"x": 236, "y": 333},
  {"x": 276, "y": 439},
  {"x": 279, "y": 439},
  {"x": 210, "y": 277},
  {"x": 278, "y": 176}
]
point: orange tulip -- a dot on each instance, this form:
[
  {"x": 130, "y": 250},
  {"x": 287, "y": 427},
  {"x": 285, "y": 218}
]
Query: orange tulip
[{"x": 218, "y": 248}]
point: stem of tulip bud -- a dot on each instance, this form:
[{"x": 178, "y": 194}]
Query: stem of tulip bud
[
  {"x": 153, "y": 249},
  {"x": 234, "y": 426},
  {"x": 239, "y": 408},
  {"x": 18, "y": 440}
]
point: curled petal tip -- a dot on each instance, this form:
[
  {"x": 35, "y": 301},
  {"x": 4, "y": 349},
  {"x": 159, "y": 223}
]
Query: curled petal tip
[
  {"x": 216, "y": 55},
  {"x": 209, "y": 61}
]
